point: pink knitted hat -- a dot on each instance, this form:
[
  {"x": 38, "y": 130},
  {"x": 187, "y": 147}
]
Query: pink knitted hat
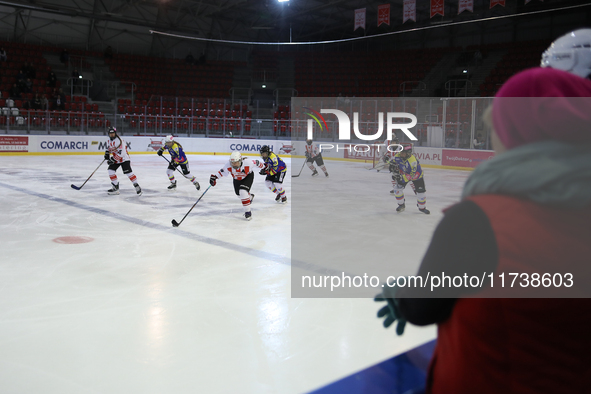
[{"x": 542, "y": 104}]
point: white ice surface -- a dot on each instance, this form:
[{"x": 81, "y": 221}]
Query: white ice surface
[{"x": 206, "y": 307}]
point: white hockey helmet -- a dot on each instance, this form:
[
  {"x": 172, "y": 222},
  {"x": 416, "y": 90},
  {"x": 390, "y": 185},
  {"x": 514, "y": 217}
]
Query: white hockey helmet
[
  {"x": 571, "y": 53},
  {"x": 168, "y": 139},
  {"x": 236, "y": 158}
]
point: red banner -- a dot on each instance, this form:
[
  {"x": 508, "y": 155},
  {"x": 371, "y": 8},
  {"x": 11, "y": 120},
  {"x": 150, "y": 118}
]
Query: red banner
[
  {"x": 437, "y": 7},
  {"x": 359, "y": 19},
  {"x": 465, "y": 158},
  {"x": 465, "y": 5},
  {"x": 384, "y": 14},
  {"x": 409, "y": 11},
  {"x": 495, "y": 2},
  {"x": 14, "y": 144}
]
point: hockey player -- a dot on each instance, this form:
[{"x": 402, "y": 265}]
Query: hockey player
[
  {"x": 275, "y": 170},
  {"x": 313, "y": 154},
  {"x": 120, "y": 157},
  {"x": 177, "y": 158},
  {"x": 409, "y": 171},
  {"x": 242, "y": 170}
]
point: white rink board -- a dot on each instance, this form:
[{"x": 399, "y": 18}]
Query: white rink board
[{"x": 52, "y": 144}]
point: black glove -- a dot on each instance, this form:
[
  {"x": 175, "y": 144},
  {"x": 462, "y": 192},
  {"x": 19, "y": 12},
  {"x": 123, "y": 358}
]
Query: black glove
[
  {"x": 111, "y": 161},
  {"x": 174, "y": 164},
  {"x": 213, "y": 179},
  {"x": 391, "y": 311},
  {"x": 398, "y": 178},
  {"x": 160, "y": 152},
  {"x": 107, "y": 155},
  {"x": 307, "y": 155},
  {"x": 263, "y": 171}
]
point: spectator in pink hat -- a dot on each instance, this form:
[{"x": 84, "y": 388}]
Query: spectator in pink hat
[{"x": 525, "y": 211}]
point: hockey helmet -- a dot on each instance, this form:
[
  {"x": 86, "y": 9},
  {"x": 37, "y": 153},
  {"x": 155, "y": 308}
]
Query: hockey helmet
[
  {"x": 112, "y": 130},
  {"x": 265, "y": 149},
  {"x": 236, "y": 159},
  {"x": 169, "y": 139},
  {"x": 309, "y": 142},
  {"x": 407, "y": 150},
  {"x": 570, "y": 53}
]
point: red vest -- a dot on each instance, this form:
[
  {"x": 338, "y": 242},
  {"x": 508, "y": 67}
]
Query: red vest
[{"x": 535, "y": 345}]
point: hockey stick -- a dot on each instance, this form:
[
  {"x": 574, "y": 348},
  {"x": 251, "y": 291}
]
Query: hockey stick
[
  {"x": 80, "y": 187},
  {"x": 295, "y": 176},
  {"x": 177, "y": 168},
  {"x": 175, "y": 223}
]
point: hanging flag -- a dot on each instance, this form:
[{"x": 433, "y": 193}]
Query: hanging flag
[
  {"x": 384, "y": 14},
  {"x": 409, "y": 11},
  {"x": 495, "y": 2},
  {"x": 437, "y": 7},
  {"x": 359, "y": 18},
  {"x": 466, "y": 5}
]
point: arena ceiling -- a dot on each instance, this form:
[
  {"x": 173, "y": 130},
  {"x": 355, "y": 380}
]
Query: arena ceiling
[{"x": 96, "y": 23}]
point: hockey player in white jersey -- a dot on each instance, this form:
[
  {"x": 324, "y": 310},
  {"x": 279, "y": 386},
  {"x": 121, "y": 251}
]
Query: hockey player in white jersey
[
  {"x": 242, "y": 170},
  {"x": 116, "y": 155},
  {"x": 313, "y": 154}
]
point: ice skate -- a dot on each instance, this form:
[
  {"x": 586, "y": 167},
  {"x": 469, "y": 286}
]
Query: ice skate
[
  {"x": 247, "y": 215},
  {"x": 114, "y": 189},
  {"x": 283, "y": 200},
  {"x": 138, "y": 189},
  {"x": 278, "y": 197},
  {"x": 326, "y": 173},
  {"x": 197, "y": 185},
  {"x": 315, "y": 173},
  {"x": 400, "y": 208},
  {"x": 172, "y": 186},
  {"x": 424, "y": 210}
]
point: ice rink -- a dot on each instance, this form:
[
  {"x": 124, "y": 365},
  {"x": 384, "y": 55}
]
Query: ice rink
[{"x": 142, "y": 307}]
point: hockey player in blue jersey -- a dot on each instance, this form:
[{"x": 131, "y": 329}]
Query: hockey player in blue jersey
[
  {"x": 409, "y": 170},
  {"x": 177, "y": 158},
  {"x": 275, "y": 170}
]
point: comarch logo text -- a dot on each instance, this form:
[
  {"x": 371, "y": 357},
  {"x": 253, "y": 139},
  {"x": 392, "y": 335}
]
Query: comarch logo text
[
  {"x": 247, "y": 147},
  {"x": 345, "y": 124}
]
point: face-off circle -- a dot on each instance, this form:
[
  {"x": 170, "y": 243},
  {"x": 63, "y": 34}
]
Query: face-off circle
[{"x": 72, "y": 240}]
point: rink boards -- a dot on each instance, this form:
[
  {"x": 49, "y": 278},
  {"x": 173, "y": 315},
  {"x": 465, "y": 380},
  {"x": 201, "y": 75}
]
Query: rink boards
[{"x": 70, "y": 144}]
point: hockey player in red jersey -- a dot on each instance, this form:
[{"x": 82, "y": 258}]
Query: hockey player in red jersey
[
  {"x": 120, "y": 157},
  {"x": 313, "y": 154},
  {"x": 242, "y": 170}
]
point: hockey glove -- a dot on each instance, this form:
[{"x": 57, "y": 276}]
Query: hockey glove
[
  {"x": 307, "y": 155},
  {"x": 263, "y": 172},
  {"x": 174, "y": 164},
  {"x": 107, "y": 155},
  {"x": 398, "y": 178},
  {"x": 391, "y": 311},
  {"x": 213, "y": 180},
  {"x": 160, "y": 152},
  {"x": 111, "y": 161}
]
